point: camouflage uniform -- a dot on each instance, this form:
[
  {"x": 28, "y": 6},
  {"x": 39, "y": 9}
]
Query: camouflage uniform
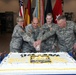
[
  {"x": 66, "y": 36},
  {"x": 33, "y": 33},
  {"x": 17, "y": 39},
  {"x": 47, "y": 44}
]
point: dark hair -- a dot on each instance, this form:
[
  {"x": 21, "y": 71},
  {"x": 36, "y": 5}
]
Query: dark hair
[{"x": 61, "y": 17}]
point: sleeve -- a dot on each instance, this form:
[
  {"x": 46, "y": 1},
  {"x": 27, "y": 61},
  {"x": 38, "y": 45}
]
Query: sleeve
[
  {"x": 75, "y": 27},
  {"x": 25, "y": 36},
  {"x": 28, "y": 29},
  {"x": 40, "y": 34},
  {"x": 74, "y": 31},
  {"x": 46, "y": 34}
]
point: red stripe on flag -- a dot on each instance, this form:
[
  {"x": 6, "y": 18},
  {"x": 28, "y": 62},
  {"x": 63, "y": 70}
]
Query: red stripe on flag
[{"x": 21, "y": 12}]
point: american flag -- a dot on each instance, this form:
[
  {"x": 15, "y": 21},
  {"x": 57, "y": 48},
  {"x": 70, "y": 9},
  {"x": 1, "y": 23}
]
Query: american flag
[{"x": 21, "y": 12}]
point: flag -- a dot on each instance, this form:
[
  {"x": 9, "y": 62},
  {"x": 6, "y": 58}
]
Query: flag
[
  {"x": 21, "y": 10},
  {"x": 36, "y": 12},
  {"x": 42, "y": 12},
  {"x": 48, "y": 8},
  {"x": 28, "y": 13},
  {"x": 57, "y": 10},
  {"x": 39, "y": 11}
]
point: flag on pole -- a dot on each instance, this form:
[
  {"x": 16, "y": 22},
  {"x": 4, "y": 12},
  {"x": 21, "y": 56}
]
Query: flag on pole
[
  {"x": 36, "y": 12},
  {"x": 21, "y": 10},
  {"x": 57, "y": 10},
  {"x": 48, "y": 8},
  {"x": 39, "y": 11},
  {"x": 28, "y": 13}
]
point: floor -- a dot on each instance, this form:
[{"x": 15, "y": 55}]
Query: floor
[{"x": 4, "y": 42}]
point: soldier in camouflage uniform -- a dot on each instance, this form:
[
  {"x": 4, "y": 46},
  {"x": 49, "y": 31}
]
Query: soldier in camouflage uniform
[
  {"x": 18, "y": 36},
  {"x": 65, "y": 33},
  {"x": 47, "y": 45},
  {"x": 32, "y": 30}
]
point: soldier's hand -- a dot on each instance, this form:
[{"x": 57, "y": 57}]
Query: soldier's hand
[
  {"x": 36, "y": 43},
  {"x": 74, "y": 47},
  {"x": 37, "y": 48},
  {"x": 74, "y": 50},
  {"x": 39, "y": 42},
  {"x": 50, "y": 29},
  {"x": 53, "y": 47}
]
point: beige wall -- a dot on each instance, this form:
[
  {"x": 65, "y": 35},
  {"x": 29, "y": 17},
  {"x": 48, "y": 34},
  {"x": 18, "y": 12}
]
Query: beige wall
[
  {"x": 13, "y": 5},
  {"x": 70, "y": 6}
]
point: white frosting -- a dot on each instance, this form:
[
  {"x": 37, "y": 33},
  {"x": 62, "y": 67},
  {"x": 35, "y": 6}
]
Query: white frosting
[{"x": 21, "y": 62}]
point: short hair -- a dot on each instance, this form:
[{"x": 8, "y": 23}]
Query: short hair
[
  {"x": 35, "y": 18},
  {"x": 49, "y": 14},
  {"x": 19, "y": 19},
  {"x": 61, "y": 17}
]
